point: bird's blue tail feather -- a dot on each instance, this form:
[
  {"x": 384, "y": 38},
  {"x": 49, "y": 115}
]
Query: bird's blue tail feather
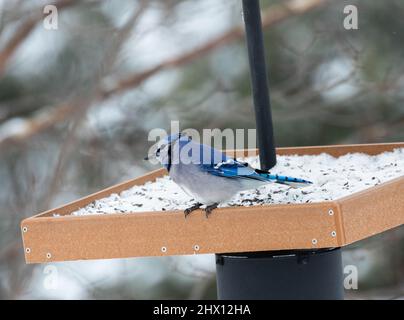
[{"x": 291, "y": 181}]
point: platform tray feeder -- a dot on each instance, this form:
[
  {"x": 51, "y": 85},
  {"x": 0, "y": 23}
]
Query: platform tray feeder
[
  {"x": 326, "y": 224},
  {"x": 276, "y": 251}
]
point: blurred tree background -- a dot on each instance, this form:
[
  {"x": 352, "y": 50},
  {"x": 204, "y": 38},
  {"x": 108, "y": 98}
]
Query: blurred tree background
[{"x": 77, "y": 103}]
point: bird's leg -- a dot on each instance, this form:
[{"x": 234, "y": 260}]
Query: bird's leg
[
  {"x": 193, "y": 208},
  {"x": 209, "y": 209}
]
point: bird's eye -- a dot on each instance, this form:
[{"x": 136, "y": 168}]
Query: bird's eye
[{"x": 158, "y": 152}]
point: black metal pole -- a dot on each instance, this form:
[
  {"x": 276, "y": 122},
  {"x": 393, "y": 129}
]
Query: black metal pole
[
  {"x": 259, "y": 83},
  {"x": 293, "y": 274}
]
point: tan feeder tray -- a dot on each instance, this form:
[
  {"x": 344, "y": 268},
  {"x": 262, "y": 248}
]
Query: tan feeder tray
[{"x": 235, "y": 229}]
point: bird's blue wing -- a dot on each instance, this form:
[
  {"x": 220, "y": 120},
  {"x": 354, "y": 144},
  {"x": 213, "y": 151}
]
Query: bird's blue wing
[
  {"x": 234, "y": 169},
  {"x": 217, "y": 163},
  {"x": 231, "y": 168}
]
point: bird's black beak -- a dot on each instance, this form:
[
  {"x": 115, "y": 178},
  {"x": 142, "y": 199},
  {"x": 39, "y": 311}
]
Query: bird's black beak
[{"x": 146, "y": 158}]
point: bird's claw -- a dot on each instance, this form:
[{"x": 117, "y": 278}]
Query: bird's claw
[
  {"x": 187, "y": 211},
  {"x": 209, "y": 209}
]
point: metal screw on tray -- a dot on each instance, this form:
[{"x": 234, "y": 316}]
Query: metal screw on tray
[{"x": 274, "y": 274}]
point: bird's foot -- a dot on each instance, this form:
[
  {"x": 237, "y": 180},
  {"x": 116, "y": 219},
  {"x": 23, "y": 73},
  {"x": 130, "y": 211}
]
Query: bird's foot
[
  {"x": 209, "y": 209},
  {"x": 193, "y": 208}
]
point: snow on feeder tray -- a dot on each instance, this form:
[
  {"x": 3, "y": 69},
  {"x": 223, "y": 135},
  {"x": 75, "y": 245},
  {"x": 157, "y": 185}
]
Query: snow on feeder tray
[{"x": 333, "y": 212}]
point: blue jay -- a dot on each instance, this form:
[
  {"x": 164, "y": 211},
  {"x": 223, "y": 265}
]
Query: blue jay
[{"x": 207, "y": 174}]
